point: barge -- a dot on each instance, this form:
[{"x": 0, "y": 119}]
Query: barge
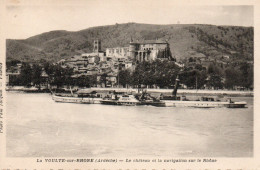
[
  {"x": 202, "y": 102},
  {"x": 72, "y": 99},
  {"x": 86, "y": 97}
]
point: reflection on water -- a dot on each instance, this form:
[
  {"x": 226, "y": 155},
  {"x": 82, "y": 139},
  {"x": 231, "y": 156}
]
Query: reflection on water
[{"x": 37, "y": 126}]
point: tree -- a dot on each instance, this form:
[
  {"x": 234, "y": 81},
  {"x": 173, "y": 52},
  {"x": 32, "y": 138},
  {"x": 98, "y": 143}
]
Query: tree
[
  {"x": 12, "y": 63},
  {"x": 165, "y": 73},
  {"x": 14, "y": 80},
  {"x": 232, "y": 77},
  {"x": 250, "y": 79},
  {"x": 193, "y": 78},
  {"x": 191, "y": 59},
  {"x": 49, "y": 69},
  {"x": 124, "y": 77},
  {"x": 213, "y": 69},
  {"x": 215, "y": 81},
  {"x": 215, "y": 77},
  {"x": 138, "y": 74},
  {"x": 66, "y": 74},
  {"x": 159, "y": 73},
  {"x": 57, "y": 76},
  {"x": 103, "y": 79},
  {"x": 82, "y": 81},
  {"x": 247, "y": 75},
  {"x": 36, "y": 75},
  {"x": 26, "y": 74},
  {"x": 198, "y": 67},
  {"x": 92, "y": 80}
]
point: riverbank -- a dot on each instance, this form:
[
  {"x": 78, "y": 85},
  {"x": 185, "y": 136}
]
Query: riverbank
[
  {"x": 190, "y": 92},
  {"x": 27, "y": 89},
  {"x": 186, "y": 92}
]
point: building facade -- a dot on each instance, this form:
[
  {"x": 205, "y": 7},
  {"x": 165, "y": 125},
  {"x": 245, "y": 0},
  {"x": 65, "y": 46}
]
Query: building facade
[
  {"x": 147, "y": 50},
  {"x": 119, "y": 52}
]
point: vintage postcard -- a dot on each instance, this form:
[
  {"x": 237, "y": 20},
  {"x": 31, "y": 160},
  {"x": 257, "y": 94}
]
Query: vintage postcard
[{"x": 121, "y": 84}]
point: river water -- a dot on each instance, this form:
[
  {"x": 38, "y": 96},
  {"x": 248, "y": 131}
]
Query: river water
[{"x": 37, "y": 126}]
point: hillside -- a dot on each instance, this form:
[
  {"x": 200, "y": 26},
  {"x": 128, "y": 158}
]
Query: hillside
[{"x": 185, "y": 41}]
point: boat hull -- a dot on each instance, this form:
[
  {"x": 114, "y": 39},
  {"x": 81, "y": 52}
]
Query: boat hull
[
  {"x": 153, "y": 103},
  {"x": 84, "y": 100},
  {"x": 162, "y": 103},
  {"x": 203, "y": 104},
  {"x": 124, "y": 103},
  {"x": 236, "y": 105}
]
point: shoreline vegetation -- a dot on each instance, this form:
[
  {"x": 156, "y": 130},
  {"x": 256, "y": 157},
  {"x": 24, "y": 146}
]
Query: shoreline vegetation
[{"x": 188, "y": 92}]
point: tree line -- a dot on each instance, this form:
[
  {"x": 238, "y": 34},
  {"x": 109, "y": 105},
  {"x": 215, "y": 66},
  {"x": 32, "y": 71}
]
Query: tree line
[
  {"x": 156, "y": 74},
  {"x": 162, "y": 74},
  {"x": 32, "y": 75}
]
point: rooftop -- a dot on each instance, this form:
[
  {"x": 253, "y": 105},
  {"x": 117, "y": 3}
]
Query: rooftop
[{"x": 150, "y": 42}]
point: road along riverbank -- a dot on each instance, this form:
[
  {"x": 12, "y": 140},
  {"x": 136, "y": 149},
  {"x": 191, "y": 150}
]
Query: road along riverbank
[
  {"x": 189, "y": 92},
  {"x": 186, "y": 92}
]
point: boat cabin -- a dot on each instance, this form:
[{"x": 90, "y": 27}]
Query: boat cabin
[
  {"x": 89, "y": 93},
  {"x": 180, "y": 98},
  {"x": 209, "y": 98}
]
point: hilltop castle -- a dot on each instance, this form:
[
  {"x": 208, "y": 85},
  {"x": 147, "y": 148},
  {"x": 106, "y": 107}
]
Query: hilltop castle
[{"x": 147, "y": 50}]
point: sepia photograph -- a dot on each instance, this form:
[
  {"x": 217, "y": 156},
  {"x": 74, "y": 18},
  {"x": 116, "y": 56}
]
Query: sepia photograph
[{"x": 129, "y": 79}]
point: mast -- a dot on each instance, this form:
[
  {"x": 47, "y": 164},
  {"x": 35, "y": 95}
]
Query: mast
[
  {"x": 71, "y": 91},
  {"x": 118, "y": 79},
  {"x": 196, "y": 82}
]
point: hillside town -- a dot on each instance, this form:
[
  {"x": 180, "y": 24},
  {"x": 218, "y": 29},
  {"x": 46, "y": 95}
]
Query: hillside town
[
  {"x": 127, "y": 66},
  {"x": 110, "y": 61}
]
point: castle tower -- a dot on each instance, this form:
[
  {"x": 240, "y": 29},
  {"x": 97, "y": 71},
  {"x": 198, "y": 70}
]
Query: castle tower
[
  {"x": 97, "y": 46},
  {"x": 132, "y": 49}
]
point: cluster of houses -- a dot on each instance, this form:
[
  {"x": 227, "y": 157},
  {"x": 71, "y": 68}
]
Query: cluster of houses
[
  {"x": 94, "y": 64},
  {"x": 115, "y": 59},
  {"x": 112, "y": 60},
  {"x": 221, "y": 61}
]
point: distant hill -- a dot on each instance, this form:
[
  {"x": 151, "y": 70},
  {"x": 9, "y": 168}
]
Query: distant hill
[{"x": 185, "y": 41}]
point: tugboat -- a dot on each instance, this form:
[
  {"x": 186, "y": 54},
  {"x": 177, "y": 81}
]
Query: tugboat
[
  {"x": 147, "y": 99},
  {"x": 202, "y": 102}
]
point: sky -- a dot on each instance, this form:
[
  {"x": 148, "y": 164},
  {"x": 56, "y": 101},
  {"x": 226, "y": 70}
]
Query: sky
[{"x": 23, "y": 20}]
